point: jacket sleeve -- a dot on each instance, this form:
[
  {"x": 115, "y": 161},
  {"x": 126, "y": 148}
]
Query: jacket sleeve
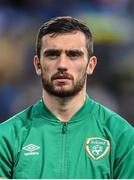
[
  {"x": 6, "y": 155},
  {"x": 124, "y": 150},
  {"x": 124, "y": 168}
]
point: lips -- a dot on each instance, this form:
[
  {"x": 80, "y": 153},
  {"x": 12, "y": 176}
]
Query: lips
[{"x": 61, "y": 76}]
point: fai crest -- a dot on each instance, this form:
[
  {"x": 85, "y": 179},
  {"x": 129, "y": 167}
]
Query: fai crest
[{"x": 97, "y": 147}]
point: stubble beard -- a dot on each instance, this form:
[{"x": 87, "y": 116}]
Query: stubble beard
[{"x": 61, "y": 91}]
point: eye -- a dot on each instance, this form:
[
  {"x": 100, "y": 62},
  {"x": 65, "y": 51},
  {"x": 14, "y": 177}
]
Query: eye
[
  {"x": 52, "y": 54},
  {"x": 74, "y": 54}
]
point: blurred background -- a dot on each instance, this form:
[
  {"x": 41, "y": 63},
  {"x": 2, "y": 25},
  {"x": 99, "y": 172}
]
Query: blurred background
[{"x": 112, "y": 25}]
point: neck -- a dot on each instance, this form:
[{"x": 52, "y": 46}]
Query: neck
[{"x": 64, "y": 108}]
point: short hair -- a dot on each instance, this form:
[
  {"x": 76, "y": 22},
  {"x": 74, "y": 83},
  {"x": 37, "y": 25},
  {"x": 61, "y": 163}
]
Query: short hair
[{"x": 64, "y": 24}]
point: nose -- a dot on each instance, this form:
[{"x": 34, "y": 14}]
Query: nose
[{"x": 62, "y": 63}]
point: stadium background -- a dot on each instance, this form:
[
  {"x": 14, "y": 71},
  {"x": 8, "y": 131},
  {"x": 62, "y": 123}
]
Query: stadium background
[{"x": 111, "y": 21}]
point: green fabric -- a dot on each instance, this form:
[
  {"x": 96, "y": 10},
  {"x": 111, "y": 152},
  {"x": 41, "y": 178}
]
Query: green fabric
[{"x": 35, "y": 144}]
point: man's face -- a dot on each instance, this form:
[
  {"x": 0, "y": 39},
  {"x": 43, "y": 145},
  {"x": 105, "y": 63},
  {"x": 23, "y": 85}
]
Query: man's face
[{"x": 64, "y": 63}]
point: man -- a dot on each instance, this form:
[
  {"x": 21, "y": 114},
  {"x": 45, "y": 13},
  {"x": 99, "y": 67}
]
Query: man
[{"x": 66, "y": 134}]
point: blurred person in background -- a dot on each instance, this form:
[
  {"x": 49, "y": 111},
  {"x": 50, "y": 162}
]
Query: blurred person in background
[{"x": 66, "y": 134}]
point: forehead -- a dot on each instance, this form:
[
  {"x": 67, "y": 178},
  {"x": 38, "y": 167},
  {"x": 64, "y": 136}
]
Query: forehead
[{"x": 71, "y": 40}]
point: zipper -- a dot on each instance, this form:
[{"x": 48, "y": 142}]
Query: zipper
[
  {"x": 64, "y": 158},
  {"x": 64, "y": 128}
]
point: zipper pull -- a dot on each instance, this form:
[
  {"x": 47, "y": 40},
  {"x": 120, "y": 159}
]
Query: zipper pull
[{"x": 64, "y": 128}]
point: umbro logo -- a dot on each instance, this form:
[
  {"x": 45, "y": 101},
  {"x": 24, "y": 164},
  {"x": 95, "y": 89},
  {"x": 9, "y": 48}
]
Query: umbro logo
[{"x": 31, "y": 150}]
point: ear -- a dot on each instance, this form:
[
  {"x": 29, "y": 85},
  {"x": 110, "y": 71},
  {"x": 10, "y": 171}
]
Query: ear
[
  {"x": 91, "y": 65},
  {"x": 37, "y": 65}
]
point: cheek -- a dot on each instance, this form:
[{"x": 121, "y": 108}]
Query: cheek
[
  {"x": 79, "y": 74},
  {"x": 47, "y": 72},
  {"x": 48, "y": 67},
  {"x": 45, "y": 68},
  {"x": 82, "y": 70}
]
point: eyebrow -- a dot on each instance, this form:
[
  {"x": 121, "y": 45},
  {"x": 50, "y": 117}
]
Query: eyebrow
[
  {"x": 74, "y": 52},
  {"x": 50, "y": 52}
]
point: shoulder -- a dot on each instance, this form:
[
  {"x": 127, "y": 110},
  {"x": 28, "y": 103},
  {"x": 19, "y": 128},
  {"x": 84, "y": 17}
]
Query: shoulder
[
  {"x": 108, "y": 117},
  {"x": 19, "y": 122},
  {"x": 118, "y": 130},
  {"x": 18, "y": 119},
  {"x": 14, "y": 131},
  {"x": 111, "y": 122}
]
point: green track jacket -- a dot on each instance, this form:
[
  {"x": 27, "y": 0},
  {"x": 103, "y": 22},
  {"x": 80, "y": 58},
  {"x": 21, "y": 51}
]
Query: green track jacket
[{"x": 94, "y": 143}]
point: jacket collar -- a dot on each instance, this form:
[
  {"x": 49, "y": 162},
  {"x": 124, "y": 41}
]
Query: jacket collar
[{"x": 41, "y": 111}]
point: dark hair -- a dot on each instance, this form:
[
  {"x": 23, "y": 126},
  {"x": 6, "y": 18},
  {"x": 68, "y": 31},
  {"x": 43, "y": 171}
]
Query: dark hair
[{"x": 63, "y": 25}]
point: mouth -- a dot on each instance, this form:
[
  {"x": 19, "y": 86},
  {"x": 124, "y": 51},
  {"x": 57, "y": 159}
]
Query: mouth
[{"x": 62, "y": 78}]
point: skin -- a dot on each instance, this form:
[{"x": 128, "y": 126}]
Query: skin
[{"x": 65, "y": 53}]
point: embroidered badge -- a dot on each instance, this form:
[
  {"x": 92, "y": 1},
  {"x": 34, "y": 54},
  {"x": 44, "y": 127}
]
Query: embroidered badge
[{"x": 97, "y": 147}]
